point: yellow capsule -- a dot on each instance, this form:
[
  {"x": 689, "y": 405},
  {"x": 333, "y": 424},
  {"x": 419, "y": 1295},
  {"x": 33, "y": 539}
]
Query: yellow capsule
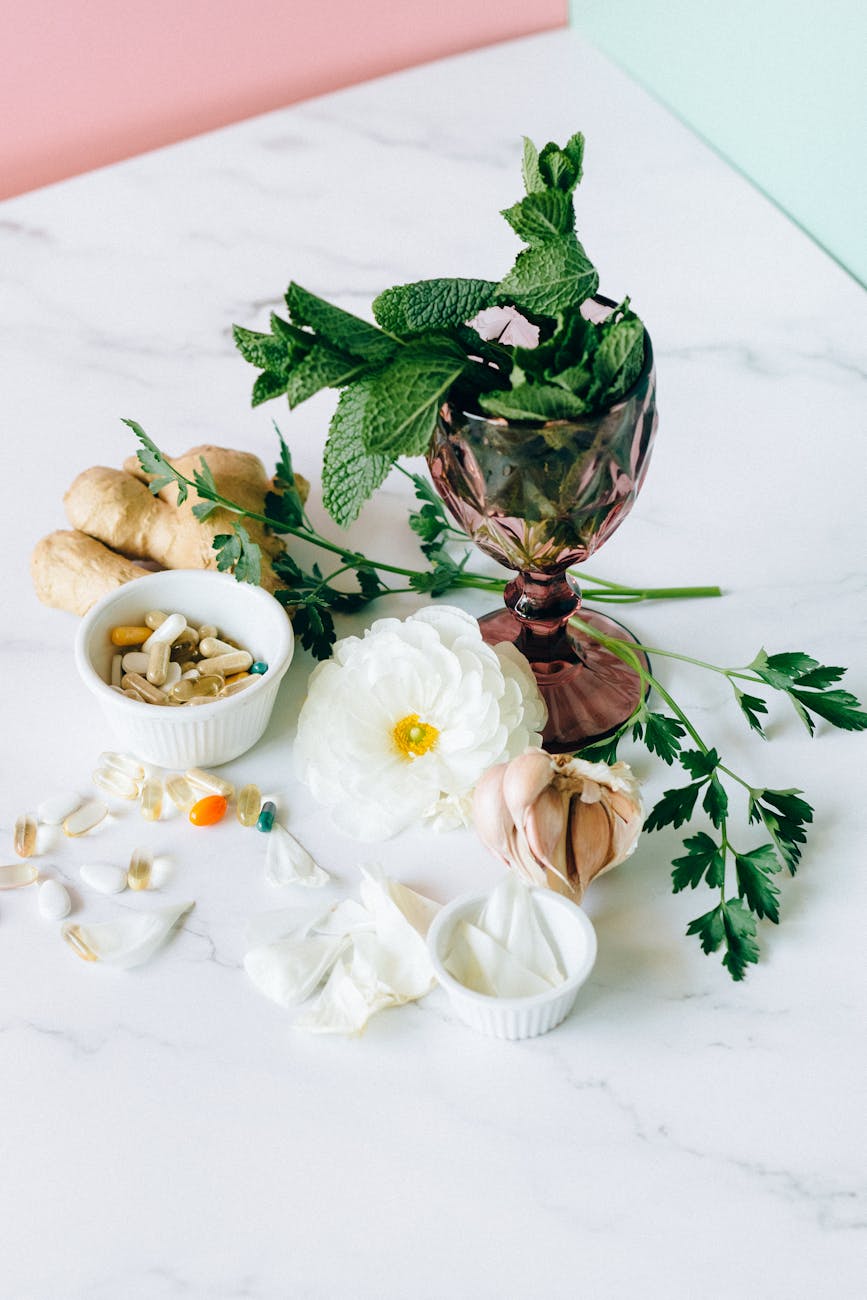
[
  {"x": 116, "y": 669},
  {"x": 248, "y": 805},
  {"x": 238, "y": 685},
  {"x": 209, "y": 646},
  {"x": 237, "y": 677},
  {"x": 25, "y": 836},
  {"x": 210, "y": 685},
  {"x": 158, "y": 663},
  {"x": 152, "y": 799},
  {"x": 17, "y": 874},
  {"x": 153, "y": 694},
  {"x": 155, "y": 618},
  {"x": 181, "y": 793},
  {"x": 122, "y": 763},
  {"x": 112, "y": 782},
  {"x": 237, "y": 661},
  {"x": 72, "y": 935},
  {"x": 85, "y": 818},
  {"x": 139, "y": 874},
  {"x": 181, "y": 691},
  {"x": 129, "y": 635},
  {"x": 209, "y": 781}
]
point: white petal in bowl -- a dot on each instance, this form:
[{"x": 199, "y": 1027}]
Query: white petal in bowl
[
  {"x": 128, "y": 941},
  {"x": 288, "y": 863}
]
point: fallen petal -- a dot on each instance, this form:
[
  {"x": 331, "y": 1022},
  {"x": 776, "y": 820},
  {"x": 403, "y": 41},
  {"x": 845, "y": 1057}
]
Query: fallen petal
[
  {"x": 288, "y": 863},
  {"x": 128, "y": 941},
  {"x": 290, "y": 970}
]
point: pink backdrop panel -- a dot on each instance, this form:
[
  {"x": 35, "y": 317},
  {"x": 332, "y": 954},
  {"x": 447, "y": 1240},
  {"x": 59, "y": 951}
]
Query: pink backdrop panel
[{"x": 88, "y": 82}]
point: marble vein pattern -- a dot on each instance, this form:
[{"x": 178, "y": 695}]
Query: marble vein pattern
[{"x": 166, "y": 1134}]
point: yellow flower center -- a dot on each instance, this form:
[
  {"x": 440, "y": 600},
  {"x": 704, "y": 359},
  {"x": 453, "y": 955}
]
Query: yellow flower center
[{"x": 414, "y": 737}]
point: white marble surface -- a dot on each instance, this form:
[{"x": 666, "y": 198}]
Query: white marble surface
[{"x": 165, "y": 1132}]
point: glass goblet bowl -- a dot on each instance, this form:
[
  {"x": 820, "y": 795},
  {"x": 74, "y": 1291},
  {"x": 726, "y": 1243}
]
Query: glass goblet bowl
[{"x": 540, "y": 498}]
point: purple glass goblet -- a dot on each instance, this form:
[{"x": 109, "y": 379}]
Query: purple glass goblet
[{"x": 539, "y": 498}]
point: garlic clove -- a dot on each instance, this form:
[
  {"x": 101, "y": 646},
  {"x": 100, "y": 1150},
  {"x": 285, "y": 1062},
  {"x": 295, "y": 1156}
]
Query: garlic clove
[
  {"x": 591, "y": 832},
  {"x": 491, "y": 817},
  {"x": 524, "y": 780},
  {"x": 545, "y": 827}
]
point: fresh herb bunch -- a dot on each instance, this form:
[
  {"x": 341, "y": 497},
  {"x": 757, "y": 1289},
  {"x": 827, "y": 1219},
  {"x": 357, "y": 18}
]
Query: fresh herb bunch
[{"x": 395, "y": 375}]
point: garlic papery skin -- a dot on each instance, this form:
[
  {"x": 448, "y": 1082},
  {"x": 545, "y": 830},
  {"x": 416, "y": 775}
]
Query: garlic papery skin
[{"x": 558, "y": 821}]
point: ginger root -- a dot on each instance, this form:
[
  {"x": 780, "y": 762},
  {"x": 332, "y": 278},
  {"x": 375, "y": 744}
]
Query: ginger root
[{"x": 118, "y": 520}]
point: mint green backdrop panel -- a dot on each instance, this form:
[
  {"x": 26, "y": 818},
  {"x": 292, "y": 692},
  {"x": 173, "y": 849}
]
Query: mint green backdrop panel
[{"x": 776, "y": 86}]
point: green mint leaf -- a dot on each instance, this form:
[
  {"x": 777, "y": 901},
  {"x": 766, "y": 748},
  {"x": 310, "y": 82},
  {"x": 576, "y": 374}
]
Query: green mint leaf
[
  {"x": 619, "y": 357},
  {"x": 322, "y": 367},
  {"x": 661, "y": 735},
  {"x": 540, "y": 217},
  {"x": 533, "y": 402},
  {"x": 268, "y": 385},
  {"x": 753, "y": 870},
  {"x": 562, "y": 169},
  {"x": 409, "y": 309},
  {"x": 339, "y": 328},
  {"x": 261, "y": 350},
  {"x": 740, "y": 930},
  {"x": 674, "y": 808},
  {"x": 401, "y": 403},
  {"x": 350, "y": 474},
  {"x": 699, "y": 763},
  {"x": 532, "y": 177},
  {"x": 751, "y": 706},
  {"x": 840, "y": 708},
  {"x": 715, "y": 802},
  {"x": 704, "y": 860},
  {"x": 550, "y": 278}
]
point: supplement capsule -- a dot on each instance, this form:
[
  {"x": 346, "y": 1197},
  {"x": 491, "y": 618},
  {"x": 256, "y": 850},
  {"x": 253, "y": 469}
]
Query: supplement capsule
[
  {"x": 73, "y": 936},
  {"x": 17, "y": 874},
  {"x": 172, "y": 676},
  {"x": 209, "y": 646},
  {"x": 135, "y": 661},
  {"x": 169, "y": 630},
  {"x": 181, "y": 691},
  {"x": 135, "y": 682},
  {"x": 248, "y": 805},
  {"x": 181, "y": 793},
  {"x": 237, "y": 661},
  {"x": 24, "y": 840},
  {"x": 208, "y": 686},
  {"x": 122, "y": 763},
  {"x": 85, "y": 818},
  {"x": 129, "y": 635},
  {"x": 116, "y": 669},
  {"x": 209, "y": 810},
  {"x": 158, "y": 663},
  {"x": 236, "y": 677},
  {"x": 139, "y": 874},
  {"x": 155, "y": 619},
  {"x": 152, "y": 799},
  {"x": 259, "y": 667},
  {"x": 207, "y": 629},
  {"x": 54, "y": 900},
  {"x": 238, "y": 685},
  {"x": 189, "y": 671},
  {"x": 132, "y": 694},
  {"x": 209, "y": 781},
  {"x": 112, "y": 782},
  {"x": 265, "y": 819}
]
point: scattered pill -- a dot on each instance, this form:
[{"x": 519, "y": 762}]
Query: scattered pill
[
  {"x": 24, "y": 839},
  {"x": 84, "y": 818},
  {"x": 208, "y": 811},
  {"x": 17, "y": 874},
  {"x": 181, "y": 793},
  {"x": 152, "y": 799},
  {"x": 139, "y": 874},
  {"x": 112, "y": 782},
  {"x": 52, "y": 811},
  {"x": 129, "y": 635},
  {"x": 123, "y": 763},
  {"x": 265, "y": 820},
  {"x": 73, "y": 936},
  {"x": 103, "y": 877},
  {"x": 259, "y": 667},
  {"x": 209, "y": 781},
  {"x": 248, "y": 805},
  {"x": 54, "y": 900}
]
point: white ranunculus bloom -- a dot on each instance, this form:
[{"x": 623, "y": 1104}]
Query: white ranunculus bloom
[{"x": 409, "y": 714}]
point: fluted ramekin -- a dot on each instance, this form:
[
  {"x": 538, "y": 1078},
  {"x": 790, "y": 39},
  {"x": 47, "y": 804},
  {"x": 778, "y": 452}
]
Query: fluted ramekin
[
  {"x": 571, "y": 934},
  {"x": 207, "y": 734}
]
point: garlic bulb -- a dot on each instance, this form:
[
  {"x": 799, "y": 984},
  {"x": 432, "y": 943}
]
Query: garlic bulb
[{"x": 558, "y": 821}]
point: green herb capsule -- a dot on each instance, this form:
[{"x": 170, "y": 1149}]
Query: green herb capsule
[
  {"x": 249, "y": 803},
  {"x": 152, "y": 799},
  {"x": 139, "y": 874},
  {"x": 266, "y": 817},
  {"x": 258, "y": 667},
  {"x": 25, "y": 836}
]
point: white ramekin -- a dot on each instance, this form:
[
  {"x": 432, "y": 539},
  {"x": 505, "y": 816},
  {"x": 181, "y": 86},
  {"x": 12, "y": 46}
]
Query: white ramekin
[
  {"x": 207, "y": 734},
  {"x": 571, "y": 934}
]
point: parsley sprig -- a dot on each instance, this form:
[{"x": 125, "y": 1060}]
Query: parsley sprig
[{"x": 744, "y": 876}]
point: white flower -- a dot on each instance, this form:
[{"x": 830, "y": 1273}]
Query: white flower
[{"x": 410, "y": 713}]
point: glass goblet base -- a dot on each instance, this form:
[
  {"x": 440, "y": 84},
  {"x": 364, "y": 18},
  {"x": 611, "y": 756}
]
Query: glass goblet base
[{"x": 590, "y": 693}]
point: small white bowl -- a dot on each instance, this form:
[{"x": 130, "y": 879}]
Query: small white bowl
[
  {"x": 571, "y": 934},
  {"x": 208, "y": 734}
]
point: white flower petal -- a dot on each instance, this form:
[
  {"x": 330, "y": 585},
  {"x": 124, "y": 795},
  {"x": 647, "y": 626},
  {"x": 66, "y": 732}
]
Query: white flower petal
[
  {"x": 289, "y": 970},
  {"x": 127, "y": 941},
  {"x": 288, "y": 863}
]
